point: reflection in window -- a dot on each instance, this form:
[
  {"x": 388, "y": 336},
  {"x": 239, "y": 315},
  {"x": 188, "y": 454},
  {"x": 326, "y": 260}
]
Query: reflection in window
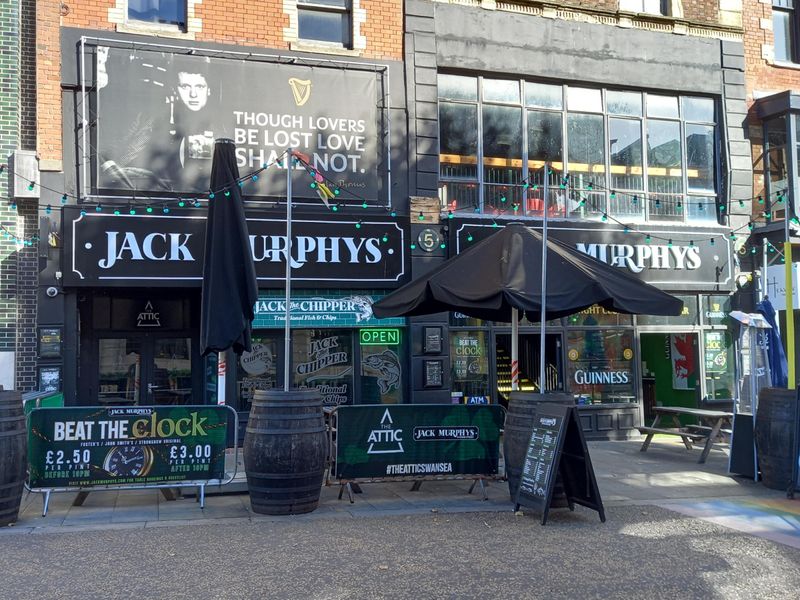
[
  {"x": 783, "y": 28},
  {"x": 324, "y": 21},
  {"x": 673, "y": 178},
  {"x": 120, "y": 362},
  {"x": 169, "y": 12},
  {"x": 257, "y": 369}
]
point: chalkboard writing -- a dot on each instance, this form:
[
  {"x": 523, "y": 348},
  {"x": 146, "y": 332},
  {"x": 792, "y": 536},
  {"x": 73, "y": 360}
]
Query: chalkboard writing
[
  {"x": 557, "y": 447},
  {"x": 538, "y": 468}
]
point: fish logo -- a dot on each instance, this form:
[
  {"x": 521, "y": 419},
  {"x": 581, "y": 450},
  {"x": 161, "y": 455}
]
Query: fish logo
[
  {"x": 301, "y": 90},
  {"x": 388, "y": 365},
  {"x": 362, "y": 306}
]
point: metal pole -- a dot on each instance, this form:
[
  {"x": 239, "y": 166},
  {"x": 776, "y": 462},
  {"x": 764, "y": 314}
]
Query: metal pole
[
  {"x": 545, "y": 191},
  {"x": 514, "y": 349},
  {"x": 788, "y": 271},
  {"x": 762, "y": 281},
  {"x": 287, "y": 341}
]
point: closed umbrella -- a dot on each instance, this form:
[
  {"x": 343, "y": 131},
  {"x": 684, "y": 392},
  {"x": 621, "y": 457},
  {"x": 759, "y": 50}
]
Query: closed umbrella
[
  {"x": 229, "y": 290},
  {"x": 775, "y": 354}
]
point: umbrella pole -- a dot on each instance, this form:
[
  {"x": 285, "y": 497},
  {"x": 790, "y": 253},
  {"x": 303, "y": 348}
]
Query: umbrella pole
[
  {"x": 543, "y": 307},
  {"x": 514, "y": 349},
  {"x": 287, "y": 340}
]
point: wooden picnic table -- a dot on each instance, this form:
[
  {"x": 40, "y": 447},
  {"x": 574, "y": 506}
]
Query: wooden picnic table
[{"x": 711, "y": 426}]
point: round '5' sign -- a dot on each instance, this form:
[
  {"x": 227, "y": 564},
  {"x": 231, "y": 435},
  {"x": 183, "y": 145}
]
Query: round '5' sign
[{"x": 429, "y": 239}]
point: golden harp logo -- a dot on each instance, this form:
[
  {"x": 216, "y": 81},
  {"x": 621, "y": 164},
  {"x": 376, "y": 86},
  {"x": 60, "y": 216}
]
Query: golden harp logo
[{"x": 301, "y": 90}]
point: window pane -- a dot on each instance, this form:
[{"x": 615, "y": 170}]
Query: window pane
[
  {"x": 701, "y": 209},
  {"x": 469, "y": 354},
  {"x": 600, "y": 365},
  {"x": 700, "y": 157},
  {"x": 322, "y": 359},
  {"x": 698, "y": 109},
  {"x": 782, "y": 31},
  {"x": 500, "y": 90},
  {"x": 257, "y": 369},
  {"x": 457, "y": 196},
  {"x": 544, "y": 137},
  {"x": 584, "y": 99},
  {"x": 719, "y": 360},
  {"x": 777, "y": 154},
  {"x": 626, "y": 167},
  {"x": 662, "y": 106},
  {"x": 458, "y": 139},
  {"x": 585, "y": 152},
  {"x": 624, "y": 103},
  {"x": 381, "y": 375},
  {"x": 120, "y": 362},
  {"x": 626, "y": 153},
  {"x": 664, "y": 156},
  {"x": 543, "y": 95},
  {"x": 502, "y": 133},
  {"x": 456, "y": 87},
  {"x": 155, "y": 11},
  {"x": 324, "y": 26},
  {"x": 334, "y": 3}
]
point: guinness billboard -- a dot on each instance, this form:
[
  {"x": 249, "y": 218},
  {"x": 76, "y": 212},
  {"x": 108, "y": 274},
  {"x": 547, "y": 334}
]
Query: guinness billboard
[
  {"x": 690, "y": 262},
  {"x": 167, "y": 250},
  {"x": 159, "y": 113}
]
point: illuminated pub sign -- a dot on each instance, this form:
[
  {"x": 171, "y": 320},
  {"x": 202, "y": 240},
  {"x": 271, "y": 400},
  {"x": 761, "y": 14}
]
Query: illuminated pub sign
[{"x": 379, "y": 337}]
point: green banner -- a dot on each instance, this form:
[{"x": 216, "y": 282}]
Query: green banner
[
  {"x": 417, "y": 440},
  {"x": 133, "y": 445}
]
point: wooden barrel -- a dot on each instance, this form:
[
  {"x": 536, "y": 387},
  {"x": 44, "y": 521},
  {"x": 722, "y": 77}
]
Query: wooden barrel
[
  {"x": 517, "y": 434},
  {"x": 774, "y": 434},
  {"x": 285, "y": 447},
  {"x": 13, "y": 455}
]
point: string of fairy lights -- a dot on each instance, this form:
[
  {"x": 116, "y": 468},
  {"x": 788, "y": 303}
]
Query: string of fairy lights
[{"x": 335, "y": 197}]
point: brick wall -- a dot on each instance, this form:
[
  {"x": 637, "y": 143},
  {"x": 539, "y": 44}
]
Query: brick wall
[
  {"x": 763, "y": 76},
  {"x": 48, "y": 86}
]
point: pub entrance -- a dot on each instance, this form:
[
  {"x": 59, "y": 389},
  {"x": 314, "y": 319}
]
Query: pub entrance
[
  {"x": 145, "y": 369},
  {"x": 529, "y": 353},
  {"x": 139, "y": 350},
  {"x": 670, "y": 370}
]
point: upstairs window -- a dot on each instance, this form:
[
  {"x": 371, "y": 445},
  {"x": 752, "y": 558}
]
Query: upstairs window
[
  {"x": 325, "y": 21},
  {"x": 784, "y": 28},
  {"x": 162, "y": 12},
  {"x": 650, "y": 7}
]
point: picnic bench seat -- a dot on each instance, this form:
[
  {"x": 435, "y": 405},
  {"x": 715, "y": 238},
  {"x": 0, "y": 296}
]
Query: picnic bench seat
[
  {"x": 695, "y": 437},
  {"x": 710, "y": 433}
]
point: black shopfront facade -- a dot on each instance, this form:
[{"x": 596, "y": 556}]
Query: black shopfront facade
[
  {"x": 126, "y": 225},
  {"x": 136, "y": 281},
  {"x": 616, "y": 367}
]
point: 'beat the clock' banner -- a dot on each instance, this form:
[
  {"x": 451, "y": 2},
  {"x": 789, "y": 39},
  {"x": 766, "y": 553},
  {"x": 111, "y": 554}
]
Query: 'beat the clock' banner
[{"x": 126, "y": 445}]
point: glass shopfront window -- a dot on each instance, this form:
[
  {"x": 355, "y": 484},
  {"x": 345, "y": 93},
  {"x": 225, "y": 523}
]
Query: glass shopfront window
[
  {"x": 381, "y": 374},
  {"x": 599, "y": 366},
  {"x": 689, "y": 315},
  {"x": 625, "y": 153},
  {"x": 719, "y": 364},
  {"x": 469, "y": 363},
  {"x": 323, "y": 359},
  {"x": 257, "y": 369}
]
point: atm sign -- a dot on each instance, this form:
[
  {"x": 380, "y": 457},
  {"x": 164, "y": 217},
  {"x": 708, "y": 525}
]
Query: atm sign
[{"x": 380, "y": 337}]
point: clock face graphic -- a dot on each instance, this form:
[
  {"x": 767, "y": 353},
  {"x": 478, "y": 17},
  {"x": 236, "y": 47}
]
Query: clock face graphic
[{"x": 128, "y": 461}]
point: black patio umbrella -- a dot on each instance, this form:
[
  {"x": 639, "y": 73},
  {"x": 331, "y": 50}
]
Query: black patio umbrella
[
  {"x": 503, "y": 272},
  {"x": 230, "y": 290},
  {"x": 501, "y": 277}
]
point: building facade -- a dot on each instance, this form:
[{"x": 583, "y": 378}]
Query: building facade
[
  {"x": 19, "y": 240},
  {"x": 773, "y": 81},
  {"x": 583, "y": 112},
  {"x": 419, "y": 132}
]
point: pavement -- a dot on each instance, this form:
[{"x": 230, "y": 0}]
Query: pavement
[{"x": 666, "y": 476}]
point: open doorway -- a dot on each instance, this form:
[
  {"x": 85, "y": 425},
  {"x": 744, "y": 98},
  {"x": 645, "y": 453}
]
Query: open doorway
[
  {"x": 528, "y": 363},
  {"x": 670, "y": 371}
]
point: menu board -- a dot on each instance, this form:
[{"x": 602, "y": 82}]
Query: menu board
[
  {"x": 557, "y": 446},
  {"x": 538, "y": 477}
]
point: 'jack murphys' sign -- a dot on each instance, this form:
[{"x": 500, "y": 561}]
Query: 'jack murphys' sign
[
  {"x": 690, "y": 262},
  {"x": 156, "y": 250}
]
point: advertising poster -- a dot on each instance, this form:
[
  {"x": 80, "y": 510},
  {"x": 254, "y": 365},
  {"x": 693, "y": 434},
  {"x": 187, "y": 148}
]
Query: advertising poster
[
  {"x": 83, "y": 447},
  {"x": 159, "y": 114},
  {"x": 418, "y": 440}
]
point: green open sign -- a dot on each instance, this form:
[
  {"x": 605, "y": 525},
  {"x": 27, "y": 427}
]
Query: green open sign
[{"x": 380, "y": 337}]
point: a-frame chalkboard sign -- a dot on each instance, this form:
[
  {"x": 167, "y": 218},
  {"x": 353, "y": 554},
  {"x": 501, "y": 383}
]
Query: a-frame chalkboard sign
[{"x": 557, "y": 446}]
